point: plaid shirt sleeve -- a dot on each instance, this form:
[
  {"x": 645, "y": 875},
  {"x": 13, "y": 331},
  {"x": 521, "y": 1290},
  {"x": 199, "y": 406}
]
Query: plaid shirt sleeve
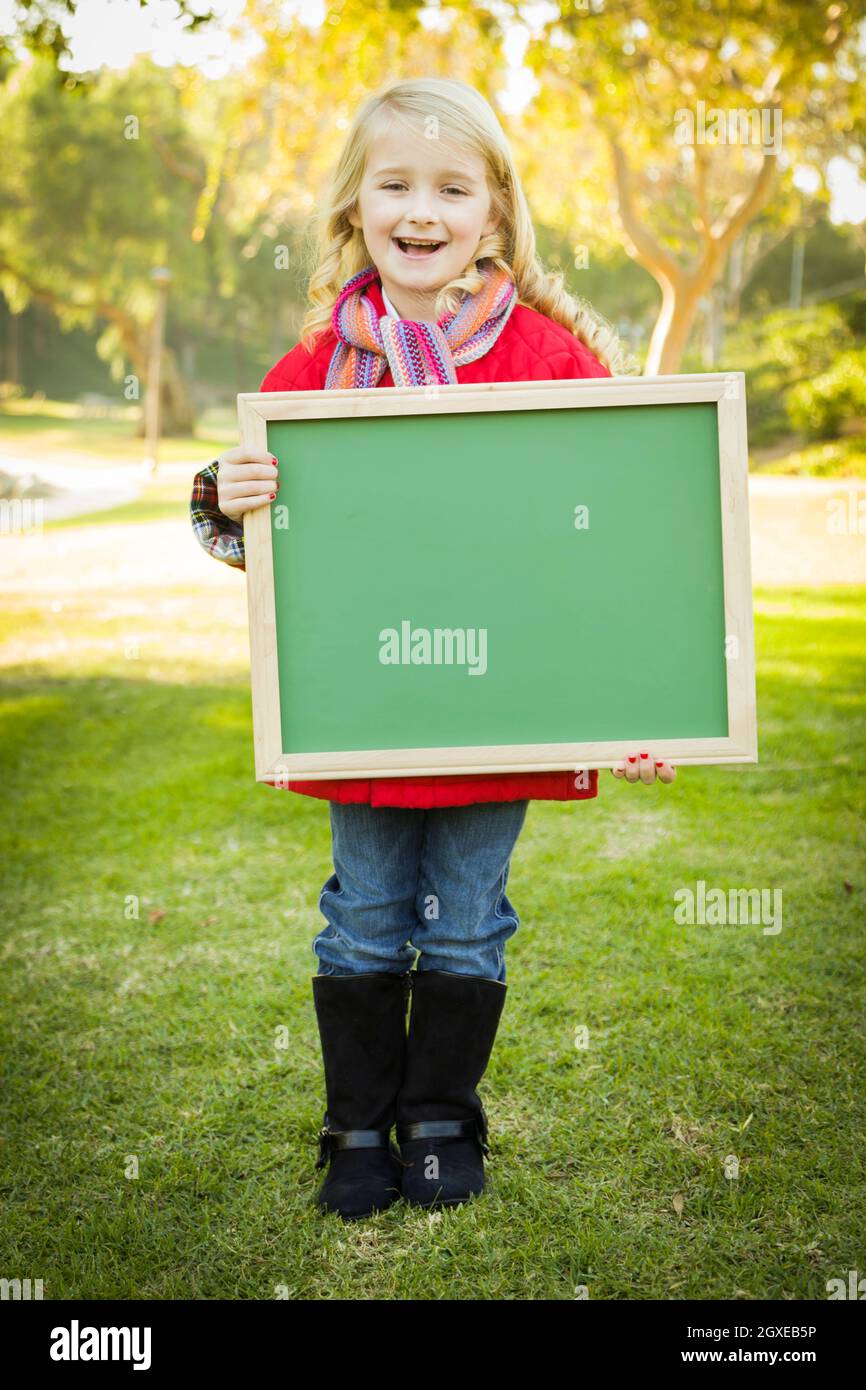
[{"x": 220, "y": 535}]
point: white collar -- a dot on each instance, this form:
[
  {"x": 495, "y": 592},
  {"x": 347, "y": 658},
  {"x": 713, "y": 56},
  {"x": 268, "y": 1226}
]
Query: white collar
[{"x": 388, "y": 305}]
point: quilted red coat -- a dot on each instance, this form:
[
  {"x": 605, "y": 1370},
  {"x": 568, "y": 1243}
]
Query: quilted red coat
[{"x": 531, "y": 347}]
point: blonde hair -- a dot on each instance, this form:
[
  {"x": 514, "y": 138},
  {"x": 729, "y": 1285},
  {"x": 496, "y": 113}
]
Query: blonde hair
[{"x": 462, "y": 115}]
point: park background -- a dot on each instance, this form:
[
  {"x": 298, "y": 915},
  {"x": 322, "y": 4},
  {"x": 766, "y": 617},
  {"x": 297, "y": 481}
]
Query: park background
[{"x": 162, "y": 1077}]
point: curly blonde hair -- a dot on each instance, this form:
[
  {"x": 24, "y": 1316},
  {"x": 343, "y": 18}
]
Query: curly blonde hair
[{"x": 338, "y": 250}]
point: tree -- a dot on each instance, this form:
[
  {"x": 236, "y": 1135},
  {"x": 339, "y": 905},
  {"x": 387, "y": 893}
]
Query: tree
[
  {"x": 635, "y": 79},
  {"x": 293, "y": 103},
  {"x": 96, "y": 189}
]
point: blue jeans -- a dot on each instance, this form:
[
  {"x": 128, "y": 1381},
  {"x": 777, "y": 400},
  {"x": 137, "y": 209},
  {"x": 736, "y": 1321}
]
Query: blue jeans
[{"x": 425, "y": 884}]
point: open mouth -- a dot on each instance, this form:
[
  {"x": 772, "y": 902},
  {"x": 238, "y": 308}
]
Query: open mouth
[{"x": 415, "y": 249}]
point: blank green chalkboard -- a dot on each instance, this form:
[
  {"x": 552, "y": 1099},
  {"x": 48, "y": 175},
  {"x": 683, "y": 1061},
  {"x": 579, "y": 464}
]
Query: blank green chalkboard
[{"x": 525, "y": 576}]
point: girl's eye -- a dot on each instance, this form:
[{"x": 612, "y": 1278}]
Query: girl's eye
[{"x": 452, "y": 189}]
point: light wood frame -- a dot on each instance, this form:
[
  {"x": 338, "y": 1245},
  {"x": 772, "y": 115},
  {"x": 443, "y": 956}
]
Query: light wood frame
[{"x": 727, "y": 390}]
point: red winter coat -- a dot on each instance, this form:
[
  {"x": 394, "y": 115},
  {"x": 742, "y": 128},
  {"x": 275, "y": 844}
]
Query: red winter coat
[{"x": 531, "y": 347}]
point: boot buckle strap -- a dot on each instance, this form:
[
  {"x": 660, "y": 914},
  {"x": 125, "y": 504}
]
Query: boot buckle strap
[
  {"x": 445, "y": 1129},
  {"x": 334, "y": 1140}
]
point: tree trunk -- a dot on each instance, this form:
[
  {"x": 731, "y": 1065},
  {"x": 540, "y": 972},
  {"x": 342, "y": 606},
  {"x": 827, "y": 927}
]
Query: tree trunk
[
  {"x": 672, "y": 327},
  {"x": 10, "y": 366},
  {"x": 681, "y": 289},
  {"x": 176, "y": 411}
]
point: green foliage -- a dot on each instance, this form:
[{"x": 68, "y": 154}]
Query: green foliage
[
  {"x": 854, "y": 308},
  {"x": 832, "y": 458},
  {"x": 222, "y": 173},
  {"x": 819, "y": 407},
  {"x": 778, "y": 351},
  {"x": 831, "y": 257},
  {"x": 91, "y": 201},
  {"x": 139, "y": 169}
]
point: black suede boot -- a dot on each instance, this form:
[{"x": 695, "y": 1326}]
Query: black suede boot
[
  {"x": 441, "y": 1124},
  {"x": 362, "y": 1026}
]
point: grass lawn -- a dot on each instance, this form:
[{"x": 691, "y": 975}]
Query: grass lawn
[
  {"x": 159, "y": 913},
  {"x": 33, "y": 430},
  {"x": 157, "y": 501}
]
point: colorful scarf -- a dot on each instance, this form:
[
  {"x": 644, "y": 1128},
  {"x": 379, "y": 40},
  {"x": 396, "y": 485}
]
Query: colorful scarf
[{"x": 417, "y": 353}]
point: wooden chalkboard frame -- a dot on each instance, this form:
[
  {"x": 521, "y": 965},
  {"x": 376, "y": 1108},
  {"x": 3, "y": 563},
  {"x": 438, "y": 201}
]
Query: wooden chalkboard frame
[{"x": 273, "y": 765}]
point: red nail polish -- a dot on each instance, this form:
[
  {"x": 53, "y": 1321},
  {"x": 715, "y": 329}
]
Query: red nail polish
[
  {"x": 659, "y": 764},
  {"x": 632, "y": 759},
  {"x": 644, "y": 755},
  {"x": 273, "y": 461},
  {"x": 273, "y": 495}
]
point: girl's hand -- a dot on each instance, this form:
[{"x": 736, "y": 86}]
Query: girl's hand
[
  {"x": 246, "y": 478},
  {"x": 644, "y": 768}
]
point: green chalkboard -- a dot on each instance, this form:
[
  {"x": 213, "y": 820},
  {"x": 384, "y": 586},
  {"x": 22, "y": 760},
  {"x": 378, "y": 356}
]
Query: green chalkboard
[{"x": 598, "y": 624}]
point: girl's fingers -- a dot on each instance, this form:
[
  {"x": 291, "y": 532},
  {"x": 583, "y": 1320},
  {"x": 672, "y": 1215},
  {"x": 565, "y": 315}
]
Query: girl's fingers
[
  {"x": 232, "y": 471},
  {"x": 247, "y": 504},
  {"x": 232, "y": 458},
  {"x": 248, "y": 486},
  {"x": 643, "y": 767}
]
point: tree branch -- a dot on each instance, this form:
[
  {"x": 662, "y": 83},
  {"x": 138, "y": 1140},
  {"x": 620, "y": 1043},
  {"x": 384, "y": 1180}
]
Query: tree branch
[
  {"x": 742, "y": 210},
  {"x": 129, "y": 330},
  {"x": 173, "y": 164},
  {"x": 649, "y": 252}
]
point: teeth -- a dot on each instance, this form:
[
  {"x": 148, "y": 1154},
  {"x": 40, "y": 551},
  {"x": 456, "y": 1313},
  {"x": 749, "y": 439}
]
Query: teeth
[{"x": 410, "y": 242}]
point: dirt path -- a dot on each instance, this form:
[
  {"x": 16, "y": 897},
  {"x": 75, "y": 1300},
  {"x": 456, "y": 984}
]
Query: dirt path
[{"x": 805, "y": 531}]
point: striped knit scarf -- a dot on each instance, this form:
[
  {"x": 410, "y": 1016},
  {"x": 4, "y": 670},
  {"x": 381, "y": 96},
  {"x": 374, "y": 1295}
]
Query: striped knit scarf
[{"x": 417, "y": 353}]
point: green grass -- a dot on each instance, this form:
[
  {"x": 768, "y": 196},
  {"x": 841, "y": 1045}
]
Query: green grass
[
  {"x": 149, "y": 1039},
  {"x": 156, "y": 502},
  {"x": 37, "y": 429}
]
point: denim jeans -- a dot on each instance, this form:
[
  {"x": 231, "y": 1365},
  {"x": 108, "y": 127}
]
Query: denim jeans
[{"x": 419, "y": 884}]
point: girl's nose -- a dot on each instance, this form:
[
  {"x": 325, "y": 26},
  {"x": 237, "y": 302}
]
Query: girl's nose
[{"x": 422, "y": 212}]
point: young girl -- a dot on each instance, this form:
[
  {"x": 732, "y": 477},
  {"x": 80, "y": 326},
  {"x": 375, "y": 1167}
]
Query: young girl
[{"x": 426, "y": 272}]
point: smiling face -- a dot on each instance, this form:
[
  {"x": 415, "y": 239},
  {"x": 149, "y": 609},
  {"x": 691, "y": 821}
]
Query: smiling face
[{"x": 428, "y": 190}]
